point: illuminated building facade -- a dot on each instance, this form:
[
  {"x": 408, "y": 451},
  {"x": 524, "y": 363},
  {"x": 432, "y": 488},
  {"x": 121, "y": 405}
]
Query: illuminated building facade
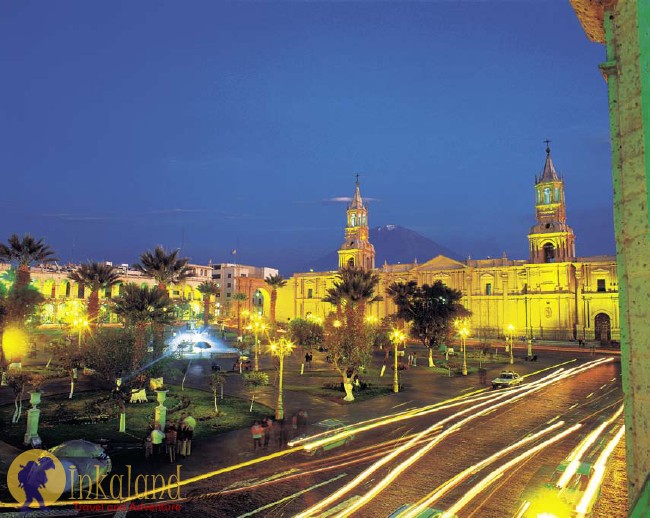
[{"x": 552, "y": 295}]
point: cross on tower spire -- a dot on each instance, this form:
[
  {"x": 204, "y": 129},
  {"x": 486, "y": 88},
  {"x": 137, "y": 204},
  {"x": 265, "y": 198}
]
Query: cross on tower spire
[{"x": 548, "y": 148}]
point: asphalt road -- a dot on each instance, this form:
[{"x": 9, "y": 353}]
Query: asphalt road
[{"x": 295, "y": 483}]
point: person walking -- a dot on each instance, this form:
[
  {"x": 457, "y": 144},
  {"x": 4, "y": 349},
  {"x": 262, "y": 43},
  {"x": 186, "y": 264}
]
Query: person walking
[
  {"x": 170, "y": 442},
  {"x": 415, "y": 360},
  {"x": 267, "y": 425},
  {"x": 281, "y": 433},
  {"x": 257, "y": 432},
  {"x": 410, "y": 360},
  {"x": 157, "y": 440},
  {"x": 181, "y": 439}
]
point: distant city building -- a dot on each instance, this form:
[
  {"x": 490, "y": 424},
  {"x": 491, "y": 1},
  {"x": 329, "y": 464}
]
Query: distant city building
[{"x": 552, "y": 295}]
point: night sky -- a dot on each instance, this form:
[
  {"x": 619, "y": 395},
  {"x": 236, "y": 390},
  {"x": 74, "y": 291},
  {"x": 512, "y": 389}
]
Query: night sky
[{"x": 219, "y": 125}]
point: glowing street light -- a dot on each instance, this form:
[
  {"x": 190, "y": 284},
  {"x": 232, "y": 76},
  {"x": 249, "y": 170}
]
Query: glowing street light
[
  {"x": 257, "y": 326},
  {"x": 79, "y": 324},
  {"x": 511, "y": 328},
  {"x": 464, "y": 332},
  {"x": 396, "y": 337},
  {"x": 280, "y": 349}
]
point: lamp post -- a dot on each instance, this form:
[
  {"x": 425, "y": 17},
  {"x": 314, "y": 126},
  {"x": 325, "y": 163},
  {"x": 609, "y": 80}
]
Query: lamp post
[
  {"x": 256, "y": 326},
  {"x": 463, "y": 337},
  {"x": 396, "y": 337},
  {"x": 80, "y": 324},
  {"x": 511, "y": 328},
  {"x": 280, "y": 349}
]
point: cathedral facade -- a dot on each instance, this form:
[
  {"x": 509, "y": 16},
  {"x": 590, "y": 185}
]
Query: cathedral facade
[{"x": 553, "y": 295}]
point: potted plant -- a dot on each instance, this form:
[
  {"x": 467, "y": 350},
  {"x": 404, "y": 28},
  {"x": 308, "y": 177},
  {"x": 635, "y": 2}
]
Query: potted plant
[
  {"x": 161, "y": 393},
  {"x": 36, "y": 382}
]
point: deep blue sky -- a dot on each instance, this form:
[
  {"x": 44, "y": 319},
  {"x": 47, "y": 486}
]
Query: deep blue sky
[{"x": 216, "y": 125}]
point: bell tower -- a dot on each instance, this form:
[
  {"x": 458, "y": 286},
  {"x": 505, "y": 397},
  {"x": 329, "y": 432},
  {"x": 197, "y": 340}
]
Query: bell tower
[
  {"x": 357, "y": 250},
  {"x": 551, "y": 240}
]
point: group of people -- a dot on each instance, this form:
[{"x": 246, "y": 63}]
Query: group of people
[
  {"x": 412, "y": 360},
  {"x": 308, "y": 358},
  {"x": 175, "y": 440},
  {"x": 262, "y": 431}
]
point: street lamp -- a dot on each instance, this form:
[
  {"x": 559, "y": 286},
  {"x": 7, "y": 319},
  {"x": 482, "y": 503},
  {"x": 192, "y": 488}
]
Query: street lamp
[
  {"x": 511, "y": 328},
  {"x": 80, "y": 324},
  {"x": 463, "y": 336},
  {"x": 256, "y": 326},
  {"x": 280, "y": 349},
  {"x": 396, "y": 337}
]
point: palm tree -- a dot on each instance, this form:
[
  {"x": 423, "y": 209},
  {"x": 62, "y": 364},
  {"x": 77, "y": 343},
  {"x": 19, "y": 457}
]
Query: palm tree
[
  {"x": 274, "y": 282},
  {"x": 141, "y": 307},
  {"x": 335, "y": 297},
  {"x": 354, "y": 289},
  {"x": 207, "y": 288},
  {"x": 95, "y": 276},
  {"x": 401, "y": 292},
  {"x": 239, "y": 298},
  {"x": 165, "y": 267},
  {"x": 25, "y": 252}
]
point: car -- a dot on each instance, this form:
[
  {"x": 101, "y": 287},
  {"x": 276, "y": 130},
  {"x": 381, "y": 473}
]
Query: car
[
  {"x": 322, "y": 430},
  {"x": 243, "y": 364},
  {"x": 506, "y": 379}
]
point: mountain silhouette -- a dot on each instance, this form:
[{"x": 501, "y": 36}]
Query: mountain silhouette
[{"x": 393, "y": 244}]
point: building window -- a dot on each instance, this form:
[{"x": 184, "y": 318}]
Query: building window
[
  {"x": 244, "y": 275},
  {"x": 601, "y": 286},
  {"x": 227, "y": 295},
  {"x": 488, "y": 288},
  {"x": 80, "y": 292},
  {"x": 229, "y": 275},
  {"x": 67, "y": 289},
  {"x": 217, "y": 276},
  {"x": 218, "y": 294},
  {"x": 310, "y": 293},
  {"x": 229, "y": 285}
]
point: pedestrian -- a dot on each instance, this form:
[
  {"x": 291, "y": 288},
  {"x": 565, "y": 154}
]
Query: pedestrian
[
  {"x": 281, "y": 433},
  {"x": 170, "y": 442},
  {"x": 157, "y": 440},
  {"x": 302, "y": 418},
  {"x": 415, "y": 360},
  {"x": 311, "y": 357},
  {"x": 294, "y": 424},
  {"x": 189, "y": 435},
  {"x": 257, "y": 432},
  {"x": 148, "y": 447},
  {"x": 482, "y": 373},
  {"x": 410, "y": 360},
  {"x": 267, "y": 424},
  {"x": 181, "y": 439}
]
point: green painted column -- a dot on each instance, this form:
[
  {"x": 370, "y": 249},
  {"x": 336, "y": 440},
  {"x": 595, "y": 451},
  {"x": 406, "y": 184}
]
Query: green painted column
[{"x": 627, "y": 37}]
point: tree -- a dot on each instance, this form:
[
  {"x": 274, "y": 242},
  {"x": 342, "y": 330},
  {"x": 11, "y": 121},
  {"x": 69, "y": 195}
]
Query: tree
[
  {"x": 239, "y": 298},
  {"x": 95, "y": 276},
  {"x": 401, "y": 292},
  {"x": 17, "y": 380},
  {"x": 165, "y": 267},
  {"x": 431, "y": 311},
  {"x": 217, "y": 381},
  {"x": 69, "y": 359},
  {"x": 274, "y": 282},
  {"x": 347, "y": 340},
  {"x": 305, "y": 332},
  {"x": 207, "y": 288},
  {"x": 142, "y": 307},
  {"x": 23, "y": 252},
  {"x": 110, "y": 353}
]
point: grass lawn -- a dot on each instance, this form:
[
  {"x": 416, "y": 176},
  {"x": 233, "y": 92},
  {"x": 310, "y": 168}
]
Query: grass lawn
[{"x": 63, "y": 419}]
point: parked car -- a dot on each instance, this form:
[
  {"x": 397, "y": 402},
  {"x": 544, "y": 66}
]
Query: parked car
[
  {"x": 243, "y": 364},
  {"x": 324, "y": 429},
  {"x": 506, "y": 379}
]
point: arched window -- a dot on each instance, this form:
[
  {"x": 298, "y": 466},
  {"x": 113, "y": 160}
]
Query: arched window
[
  {"x": 549, "y": 253},
  {"x": 351, "y": 261},
  {"x": 547, "y": 195}
]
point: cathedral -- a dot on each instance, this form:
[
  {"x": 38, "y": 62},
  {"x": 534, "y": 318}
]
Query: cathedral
[{"x": 553, "y": 295}]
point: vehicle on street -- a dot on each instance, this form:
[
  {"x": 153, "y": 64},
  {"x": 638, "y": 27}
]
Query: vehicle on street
[
  {"x": 506, "y": 379},
  {"x": 319, "y": 433},
  {"x": 243, "y": 364}
]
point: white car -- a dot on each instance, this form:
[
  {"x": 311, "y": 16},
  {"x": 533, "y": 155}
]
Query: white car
[{"x": 507, "y": 379}]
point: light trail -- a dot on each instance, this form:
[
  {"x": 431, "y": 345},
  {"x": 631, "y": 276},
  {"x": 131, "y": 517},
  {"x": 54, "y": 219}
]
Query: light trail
[
  {"x": 575, "y": 457},
  {"x": 438, "y": 493},
  {"x": 518, "y": 394},
  {"x": 587, "y": 500},
  {"x": 492, "y": 477},
  {"x": 292, "y": 496},
  {"x": 514, "y": 395}
]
